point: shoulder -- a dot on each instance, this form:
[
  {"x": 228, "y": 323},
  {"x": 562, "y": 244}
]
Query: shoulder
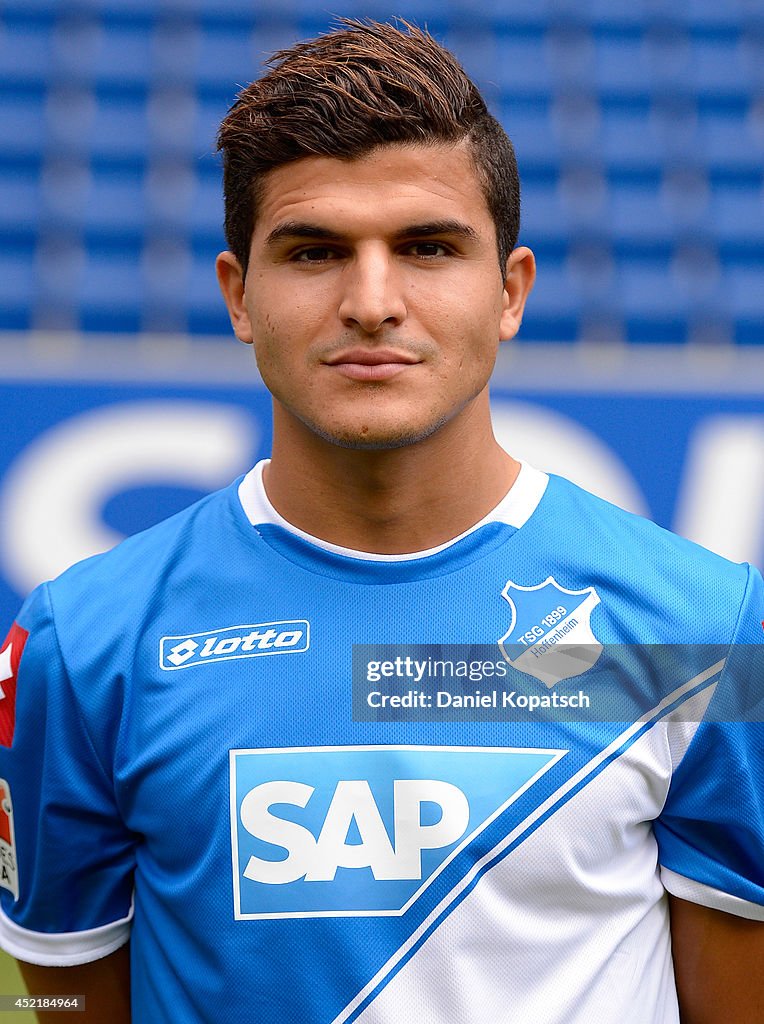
[
  {"x": 663, "y": 579},
  {"x": 113, "y": 592},
  {"x": 149, "y": 552},
  {"x": 605, "y": 526},
  {"x": 94, "y": 631}
]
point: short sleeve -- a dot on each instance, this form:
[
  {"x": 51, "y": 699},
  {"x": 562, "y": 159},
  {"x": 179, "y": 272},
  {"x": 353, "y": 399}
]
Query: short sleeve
[
  {"x": 711, "y": 831},
  {"x": 68, "y": 859}
]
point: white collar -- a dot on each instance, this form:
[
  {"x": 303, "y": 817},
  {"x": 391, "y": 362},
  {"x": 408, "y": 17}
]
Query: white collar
[{"x": 514, "y": 509}]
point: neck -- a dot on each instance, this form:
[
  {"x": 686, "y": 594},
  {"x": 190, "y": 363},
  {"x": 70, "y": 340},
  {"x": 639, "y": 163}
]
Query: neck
[{"x": 389, "y": 501}]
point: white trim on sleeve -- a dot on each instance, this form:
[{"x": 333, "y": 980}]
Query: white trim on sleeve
[
  {"x": 697, "y": 892},
  {"x": 62, "y": 949}
]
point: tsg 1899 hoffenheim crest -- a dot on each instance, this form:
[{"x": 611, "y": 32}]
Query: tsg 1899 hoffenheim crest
[{"x": 550, "y": 635}]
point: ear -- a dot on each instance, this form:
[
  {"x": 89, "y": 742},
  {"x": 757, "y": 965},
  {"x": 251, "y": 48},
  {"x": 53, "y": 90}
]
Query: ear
[
  {"x": 231, "y": 281},
  {"x": 521, "y": 273}
]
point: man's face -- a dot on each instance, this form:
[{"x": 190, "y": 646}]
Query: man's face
[{"x": 373, "y": 296}]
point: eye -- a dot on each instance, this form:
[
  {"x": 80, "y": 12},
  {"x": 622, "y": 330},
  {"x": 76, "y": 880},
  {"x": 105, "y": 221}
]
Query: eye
[
  {"x": 428, "y": 250},
  {"x": 314, "y": 254}
]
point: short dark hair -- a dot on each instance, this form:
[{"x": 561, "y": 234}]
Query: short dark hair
[{"x": 363, "y": 85}]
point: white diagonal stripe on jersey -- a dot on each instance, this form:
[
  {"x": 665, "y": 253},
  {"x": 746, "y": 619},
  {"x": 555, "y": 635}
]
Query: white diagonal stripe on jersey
[{"x": 658, "y": 712}]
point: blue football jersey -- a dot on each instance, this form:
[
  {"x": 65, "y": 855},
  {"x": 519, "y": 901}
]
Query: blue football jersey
[{"x": 315, "y": 785}]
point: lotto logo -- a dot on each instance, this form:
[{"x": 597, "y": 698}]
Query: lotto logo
[
  {"x": 230, "y": 642},
  {"x": 347, "y": 831}
]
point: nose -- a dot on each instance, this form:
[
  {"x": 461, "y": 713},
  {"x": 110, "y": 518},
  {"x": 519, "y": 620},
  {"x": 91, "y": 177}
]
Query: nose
[{"x": 372, "y": 295}]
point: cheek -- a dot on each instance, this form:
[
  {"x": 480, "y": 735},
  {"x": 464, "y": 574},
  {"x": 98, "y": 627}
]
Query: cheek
[
  {"x": 266, "y": 333},
  {"x": 280, "y": 314},
  {"x": 472, "y": 308}
]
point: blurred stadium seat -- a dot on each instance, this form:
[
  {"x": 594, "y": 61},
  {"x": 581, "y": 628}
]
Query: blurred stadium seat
[{"x": 639, "y": 128}]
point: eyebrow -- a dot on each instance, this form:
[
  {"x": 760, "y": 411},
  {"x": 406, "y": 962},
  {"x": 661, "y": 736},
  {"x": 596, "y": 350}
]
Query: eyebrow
[{"x": 304, "y": 229}]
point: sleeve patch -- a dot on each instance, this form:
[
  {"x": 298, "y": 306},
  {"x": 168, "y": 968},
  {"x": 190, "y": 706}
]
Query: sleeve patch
[
  {"x": 10, "y": 656},
  {"x": 9, "y": 874}
]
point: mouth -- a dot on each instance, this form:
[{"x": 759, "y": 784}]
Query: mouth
[{"x": 371, "y": 364}]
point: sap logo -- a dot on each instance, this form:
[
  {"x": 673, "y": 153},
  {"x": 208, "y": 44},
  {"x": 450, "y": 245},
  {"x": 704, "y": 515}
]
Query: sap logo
[
  {"x": 317, "y": 860},
  {"x": 343, "y": 831},
  {"x": 249, "y": 641}
]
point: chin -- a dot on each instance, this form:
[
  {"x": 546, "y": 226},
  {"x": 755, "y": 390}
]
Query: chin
[{"x": 368, "y": 439}]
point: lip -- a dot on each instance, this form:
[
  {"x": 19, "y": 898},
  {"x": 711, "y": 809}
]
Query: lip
[{"x": 371, "y": 364}]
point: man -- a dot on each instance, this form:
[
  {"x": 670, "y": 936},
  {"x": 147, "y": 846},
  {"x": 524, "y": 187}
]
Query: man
[{"x": 196, "y": 758}]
